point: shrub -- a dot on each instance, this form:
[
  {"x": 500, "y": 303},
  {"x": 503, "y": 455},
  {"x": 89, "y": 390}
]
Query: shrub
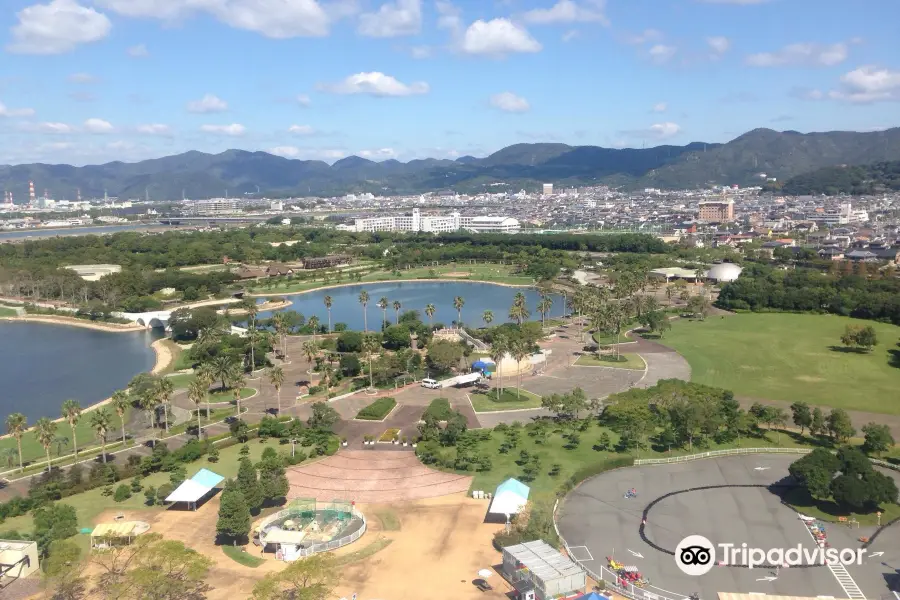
[
  {"x": 123, "y": 493},
  {"x": 150, "y": 496},
  {"x": 136, "y": 484},
  {"x": 163, "y": 492},
  {"x": 378, "y": 410}
]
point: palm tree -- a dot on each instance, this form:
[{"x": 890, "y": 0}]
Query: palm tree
[
  {"x": 222, "y": 367},
  {"x": 429, "y": 310},
  {"x": 499, "y": 348},
  {"x": 609, "y": 317},
  {"x": 327, "y": 373},
  {"x": 328, "y": 303},
  {"x": 397, "y": 307},
  {"x": 9, "y": 456},
  {"x": 313, "y": 323},
  {"x": 45, "y": 431},
  {"x": 197, "y": 393},
  {"x": 71, "y": 412},
  {"x": 252, "y": 336},
  {"x": 310, "y": 350},
  {"x": 458, "y": 304},
  {"x": 383, "y": 304},
  {"x": 164, "y": 391},
  {"x": 543, "y": 308},
  {"x": 120, "y": 404},
  {"x": 16, "y": 424},
  {"x": 207, "y": 376},
  {"x": 520, "y": 352},
  {"x": 276, "y": 378},
  {"x": 147, "y": 402},
  {"x": 252, "y": 311},
  {"x": 487, "y": 316},
  {"x": 548, "y": 304},
  {"x": 100, "y": 424},
  {"x": 518, "y": 313},
  {"x": 364, "y": 300},
  {"x": 280, "y": 326},
  {"x": 370, "y": 345},
  {"x": 236, "y": 383}
]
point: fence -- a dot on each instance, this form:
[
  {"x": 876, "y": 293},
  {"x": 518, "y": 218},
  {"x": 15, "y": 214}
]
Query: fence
[
  {"x": 717, "y": 453},
  {"x": 339, "y": 543},
  {"x": 476, "y": 343}
]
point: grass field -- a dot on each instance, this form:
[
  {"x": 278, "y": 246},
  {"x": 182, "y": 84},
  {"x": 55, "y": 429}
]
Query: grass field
[
  {"x": 826, "y": 510},
  {"x": 632, "y": 361},
  {"x": 7, "y": 312},
  {"x": 791, "y": 357},
  {"x": 489, "y": 402},
  {"x": 237, "y": 554}
]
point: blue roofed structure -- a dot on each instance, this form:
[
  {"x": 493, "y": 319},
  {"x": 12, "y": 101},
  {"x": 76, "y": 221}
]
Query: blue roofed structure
[
  {"x": 196, "y": 488},
  {"x": 509, "y": 498},
  {"x": 207, "y": 478}
]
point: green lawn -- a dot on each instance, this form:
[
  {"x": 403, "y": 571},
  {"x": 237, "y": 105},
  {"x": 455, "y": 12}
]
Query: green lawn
[
  {"x": 825, "y": 510},
  {"x": 791, "y": 357},
  {"x": 7, "y": 312},
  {"x": 632, "y": 361},
  {"x": 90, "y": 504},
  {"x": 510, "y": 400},
  {"x": 377, "y": 410},
  {"x": 32, "y": 450},
  {"x": 228, "y": 395},
  {"x": 237, "y": 554}
]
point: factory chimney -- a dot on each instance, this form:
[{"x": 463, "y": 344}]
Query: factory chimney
[{"x": 31, "y": 196}]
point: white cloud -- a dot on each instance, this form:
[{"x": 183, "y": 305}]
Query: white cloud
[
  {"x": 285, "y": 151},
  {"x": 662, "y": 131},
  {"x": 448, "y": 16},
  {"x": 375, "y": 84},
  {"x": 509, "y": 102},
  {"x": 380, "y": 154},
  {"x": 569, "y": 35},
  {"x": 803, "y": 54},
  {"x": 301, "y": 130},
  {"x": 498, "y": 37},
  {"x": 393, "y": 19},
  {"x": 55, "y": 128},
  {"x": 154, "y": 129},
  {"x": 329, "y": 154},
  {"x": 57, "y": 27},
  {"x": 568, "y": 11},
  {"x": 661, "y": 53},
  {"x": 719, "y": 44},
  {"x": 660, "y": 107},
  {"x": 207, "y": 104},
  {"x": 645, "y": 37},
  {"x": 868, "y": 84},
  {"x": 420, "y": 52},
  {"x": 97, "y": 126},
  {"x": 303, "y": 100},
  {"x": 234, "y": 129},
  {"x": 139, "y": 51},
  {"x": 81, "y": 78},
  {"x": 272, "y": 18},
  {"x": 15, "y": 112}
]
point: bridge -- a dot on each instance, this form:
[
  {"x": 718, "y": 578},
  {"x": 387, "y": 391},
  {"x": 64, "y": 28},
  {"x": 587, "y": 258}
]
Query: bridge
[{"x": 159, "y": 319}]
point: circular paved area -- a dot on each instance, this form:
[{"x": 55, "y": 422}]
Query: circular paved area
[
  {"x": 597, "y": 521},
  {"x": 372, "y": 477}
]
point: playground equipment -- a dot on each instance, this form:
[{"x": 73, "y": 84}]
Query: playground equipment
[
  {"x": 306, "y": 527},
  {"x": 627, "y": 574}
]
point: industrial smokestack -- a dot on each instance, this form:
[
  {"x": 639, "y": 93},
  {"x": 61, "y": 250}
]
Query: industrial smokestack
[{"x": 31, "y": 195}]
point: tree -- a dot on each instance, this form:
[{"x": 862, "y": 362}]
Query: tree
[
  {"x": 324, "y": 416},
  {"x": 100, "y": 421},
  {"x": 444, "y": 355},
  {"x": 272, "y": 478},
  {"x": 276, "y": 378},
  {"x": 520, "y": 350},
  {"x": 234, "y": 515},
  {"x": 252, "y": 310},
  {"x": 16, "y": 425},
  {"x": 518, "y": 312},
  {"x": 839, "y": 425},
  {"x": 878, "y": 438},
  {"x": 631, "y": 418},
  {"x": 197, "y": 391},
  {"x": 815, "y": 472},
  {"x": 328, "y": 302},
  {"x": 63, "y": 571},
  {"x": 313, "y": 578},
  {"x": 566, "y": 406},
  {"x": 657, "y": 322},
  {"x": 860, "y": 337},
  {"x": 313, "y": 323},
  {"x": 817, "y": 426},
  {"x": 499, "y": 349},
  {"x": 120, "y": 404},
  {"x": 370, "y": 346},
  {"x": 397, "y": 306},
  {"x": 223, "y": 367},
  {"x": 383, "y": 304},
  {"x": 699, "y": 306},
  {"x": 349, "y": 365},
  {"x": 801, "y": 415},
  {"x": 71, "y": 412},
  {"x": 165, "y": 389},
  {"x": 207, "y": 376},
  {"x": 53, "y": 522},
  {"x": 45, "y": 431},
  {"x": 248, "y": 484},
  {"x": 458, "y": 304},
  {"x": 236, "y": 384},
  {"x": 364, "y": 300},
  {"x": 610, "y": 317},
  {"x": 488, "y": 317}
]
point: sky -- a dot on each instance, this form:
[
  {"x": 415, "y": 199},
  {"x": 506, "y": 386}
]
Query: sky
[{"x": 92, "y": 81}]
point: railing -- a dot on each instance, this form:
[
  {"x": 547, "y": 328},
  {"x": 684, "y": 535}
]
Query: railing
[
  {"x": 335, "y": 544},
  {"x": 716, "y": 453},
  {"x": 476, "y": 343}
]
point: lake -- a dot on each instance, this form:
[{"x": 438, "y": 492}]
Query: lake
[
  {"x": 42, "y": 365},
  {"x": 41, "y": 232},
  {"x": 478, "y": 297}
]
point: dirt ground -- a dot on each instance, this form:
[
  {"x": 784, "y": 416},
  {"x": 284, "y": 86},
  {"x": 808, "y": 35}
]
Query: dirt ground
[{"x": 456, "y": 274}]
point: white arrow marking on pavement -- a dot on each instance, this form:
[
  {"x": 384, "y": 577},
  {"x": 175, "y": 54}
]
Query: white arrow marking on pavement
[
  {"x": 876, "y": 554},
  {"x": 638, "y": 554},
  {"x": 761, "y": 469},
  {"x": 767, "y": 579}
]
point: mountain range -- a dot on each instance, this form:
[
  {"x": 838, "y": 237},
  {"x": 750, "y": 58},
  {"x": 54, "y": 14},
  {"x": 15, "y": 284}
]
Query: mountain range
[{"x": 195, "y": 174}]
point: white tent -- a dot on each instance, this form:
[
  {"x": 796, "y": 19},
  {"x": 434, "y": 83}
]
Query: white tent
[
  {"x": 194, "y": 489},
  {"x": 510, "y": 497}
]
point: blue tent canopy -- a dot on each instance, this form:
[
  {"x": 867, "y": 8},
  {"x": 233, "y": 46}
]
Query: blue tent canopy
[
  {"x": 481, "y": 365},
  {"x": 592, "y": 596}
]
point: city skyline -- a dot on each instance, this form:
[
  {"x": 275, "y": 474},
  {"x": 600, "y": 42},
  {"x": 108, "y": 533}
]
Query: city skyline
[{"x": 90, "y": 81}]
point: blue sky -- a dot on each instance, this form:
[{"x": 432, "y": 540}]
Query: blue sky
[{"x": 88, "y": 81}]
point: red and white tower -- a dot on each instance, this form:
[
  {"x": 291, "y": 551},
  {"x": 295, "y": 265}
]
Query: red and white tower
[{"x": 31, "y": 196}]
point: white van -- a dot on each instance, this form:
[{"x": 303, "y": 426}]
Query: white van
[{"x": 430, "y": 384}]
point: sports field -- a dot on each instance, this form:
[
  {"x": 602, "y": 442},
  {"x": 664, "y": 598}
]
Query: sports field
[{"x": 791, "y": 357}]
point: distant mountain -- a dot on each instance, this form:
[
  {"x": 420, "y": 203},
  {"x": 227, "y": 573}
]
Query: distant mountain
[
  {"x": 867, "y": 179},
  {"x": 198, "y": 175}
]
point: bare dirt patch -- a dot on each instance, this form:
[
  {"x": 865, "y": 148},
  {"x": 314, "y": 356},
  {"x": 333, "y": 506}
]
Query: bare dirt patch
[
  {"x": 457, "y": 274},
  {"x": 809, "y": 379}
]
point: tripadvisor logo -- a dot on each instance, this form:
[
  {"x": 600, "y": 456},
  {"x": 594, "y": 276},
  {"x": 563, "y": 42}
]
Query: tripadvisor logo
[{"x": 696, "y": 555}]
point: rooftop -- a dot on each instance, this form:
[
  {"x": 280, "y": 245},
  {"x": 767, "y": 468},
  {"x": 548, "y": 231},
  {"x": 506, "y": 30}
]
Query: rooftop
[{"x": 541, "y": 559}]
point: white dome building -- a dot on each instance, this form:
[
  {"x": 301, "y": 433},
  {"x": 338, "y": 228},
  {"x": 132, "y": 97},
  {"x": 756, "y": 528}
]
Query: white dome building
[{"x": 724, "y": 272}]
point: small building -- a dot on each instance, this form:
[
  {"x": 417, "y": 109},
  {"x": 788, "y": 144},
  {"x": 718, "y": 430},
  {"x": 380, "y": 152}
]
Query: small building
[
  {"x": 192, "y": 491},
  {"x": 18, "y": 559},
  {"x": 106, "y": 535},
  {"x": 324, "y": 262},
  {"x": 669, "y": 273},
  {"x": 538, "y": 572},
  {"x": 723, "y": 272},
  {"x": 509, "y": 498}
]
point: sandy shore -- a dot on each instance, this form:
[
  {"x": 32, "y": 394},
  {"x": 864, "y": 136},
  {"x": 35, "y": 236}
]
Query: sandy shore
[
  {"x": 75, "y": 322},
  {"x": 164, "y": 356},
  {"x": 340, "y": 285},
  {"x": 265, "y": 306}
]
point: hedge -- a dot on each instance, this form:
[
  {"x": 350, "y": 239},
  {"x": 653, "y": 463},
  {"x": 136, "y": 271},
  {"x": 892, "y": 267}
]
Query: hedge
[
  {"x": 439, "y": 410},
  {"x": 378, "y": 410}
]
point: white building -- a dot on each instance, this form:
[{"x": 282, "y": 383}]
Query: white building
[
  {"x": 548, "y": 189},
  {"x": 216, "y": 206},
  {"x": 276, "y": 205},
  {"x": 490, "y": 224},
  {"x": 436, "y": 223}
]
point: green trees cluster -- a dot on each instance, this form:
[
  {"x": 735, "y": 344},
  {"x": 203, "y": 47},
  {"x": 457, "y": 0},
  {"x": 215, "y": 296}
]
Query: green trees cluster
[
  {"x": 256, "y": 486},
  {"x": 863, "y": 338},
  {"x": 848, "y": 478}
]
